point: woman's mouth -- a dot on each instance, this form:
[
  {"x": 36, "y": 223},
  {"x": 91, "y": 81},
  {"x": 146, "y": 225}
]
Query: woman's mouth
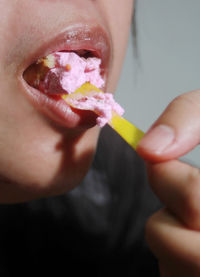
[
  {"x": 64, "y": 72},
  {"x": 86, "y": 45}
]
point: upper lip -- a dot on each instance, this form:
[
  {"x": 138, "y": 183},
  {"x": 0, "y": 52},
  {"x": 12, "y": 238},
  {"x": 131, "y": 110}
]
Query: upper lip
[{"x": 77, "y": 37}]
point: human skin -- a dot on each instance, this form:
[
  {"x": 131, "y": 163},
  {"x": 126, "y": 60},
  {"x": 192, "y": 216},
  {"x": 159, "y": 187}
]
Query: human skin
[
  {"x": 173, "y": 233},
  {"x": 39, "y": 155},
  {"x": 41, "y": 158}
]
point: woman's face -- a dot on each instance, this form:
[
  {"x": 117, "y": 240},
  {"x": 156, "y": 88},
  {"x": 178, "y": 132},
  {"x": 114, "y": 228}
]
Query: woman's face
[{"x": 40, "y": 154}]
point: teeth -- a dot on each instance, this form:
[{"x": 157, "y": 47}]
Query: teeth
[{"x": 48, "y": 61}]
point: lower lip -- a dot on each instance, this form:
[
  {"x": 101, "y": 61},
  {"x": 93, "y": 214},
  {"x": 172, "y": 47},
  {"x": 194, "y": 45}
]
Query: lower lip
[{"x": 56, "y": 109}]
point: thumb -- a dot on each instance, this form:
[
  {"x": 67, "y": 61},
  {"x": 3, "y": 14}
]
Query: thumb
[{"x": 176, "y": 132}]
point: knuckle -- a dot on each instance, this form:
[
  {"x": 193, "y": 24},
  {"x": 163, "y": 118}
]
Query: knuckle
[
  {"x": 152, "y": 230},
  {"x": 173, "y": 244},
  {"x": 189, "y": 99},
  {"x": 191, "y": 264},
  {"x": 150, "y": 233},
  {"x": 155, "y": 171},
  {"x": 191, "y": 199},
  {"x": 148, "y": 226},
  {"x": 196, "y": 266}
]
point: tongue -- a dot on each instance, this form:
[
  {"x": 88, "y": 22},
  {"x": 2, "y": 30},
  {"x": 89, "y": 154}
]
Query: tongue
[{"x": 64, "y": 73}]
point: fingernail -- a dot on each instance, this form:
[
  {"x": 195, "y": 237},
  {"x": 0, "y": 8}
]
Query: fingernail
[{"x": 158, "y": 139}]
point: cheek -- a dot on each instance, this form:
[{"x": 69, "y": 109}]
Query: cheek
[{"x": 119, "y": 19}]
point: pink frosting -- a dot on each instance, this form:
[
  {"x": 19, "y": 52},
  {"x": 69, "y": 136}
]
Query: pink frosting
[
  {"x": 70, "y": 73},
  {"x": 103, "y": 104}
]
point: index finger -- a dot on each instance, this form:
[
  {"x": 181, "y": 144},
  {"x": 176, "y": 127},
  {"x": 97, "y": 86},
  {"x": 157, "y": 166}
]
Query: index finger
[{"x": 176, "y": 131}]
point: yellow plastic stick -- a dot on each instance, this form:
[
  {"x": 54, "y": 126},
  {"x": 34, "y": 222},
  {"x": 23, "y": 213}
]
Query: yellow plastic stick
[
  {"x": 130, "y": 133},
  {"x": 123, "y": 127}
]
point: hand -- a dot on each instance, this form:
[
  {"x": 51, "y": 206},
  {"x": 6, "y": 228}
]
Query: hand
[{"x": 173, "y": 233}]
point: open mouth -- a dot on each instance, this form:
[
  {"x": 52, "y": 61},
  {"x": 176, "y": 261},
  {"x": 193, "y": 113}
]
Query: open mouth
[
  {"x": 64, "y": 72},
  {"x": 78, "y": 56},
  {"x": 76, "y": 78}
]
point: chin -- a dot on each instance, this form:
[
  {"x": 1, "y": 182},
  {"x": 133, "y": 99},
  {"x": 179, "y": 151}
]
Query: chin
[{"x": 55, "y": 173}]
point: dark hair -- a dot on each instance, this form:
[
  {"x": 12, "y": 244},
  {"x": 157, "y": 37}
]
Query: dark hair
[{"x": 134, "y": 28}]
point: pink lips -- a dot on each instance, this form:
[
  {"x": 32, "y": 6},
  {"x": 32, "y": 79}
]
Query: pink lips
[{"x": 79, "y": 37}]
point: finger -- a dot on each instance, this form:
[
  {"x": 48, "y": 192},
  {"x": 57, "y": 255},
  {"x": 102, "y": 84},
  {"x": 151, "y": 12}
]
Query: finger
[
  {"x": 178, "y": 186},
  {"x": 176, "y": 132},
  {"x": 161, "y": 269},
  {"x": 175, "y": 246}
]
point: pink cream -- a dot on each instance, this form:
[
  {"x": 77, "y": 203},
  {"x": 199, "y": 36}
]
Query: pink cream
[
  {"x": 68, "y": 73},
  {"x": 103, "y": 104}
]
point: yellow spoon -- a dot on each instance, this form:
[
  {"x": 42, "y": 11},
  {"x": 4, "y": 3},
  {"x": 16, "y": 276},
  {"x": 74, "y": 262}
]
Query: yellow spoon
[{"x": 123, "y": 127}]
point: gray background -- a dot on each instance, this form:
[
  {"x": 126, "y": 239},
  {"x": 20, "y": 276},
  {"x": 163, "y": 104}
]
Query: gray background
[{"x": 166, "y": 63}]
